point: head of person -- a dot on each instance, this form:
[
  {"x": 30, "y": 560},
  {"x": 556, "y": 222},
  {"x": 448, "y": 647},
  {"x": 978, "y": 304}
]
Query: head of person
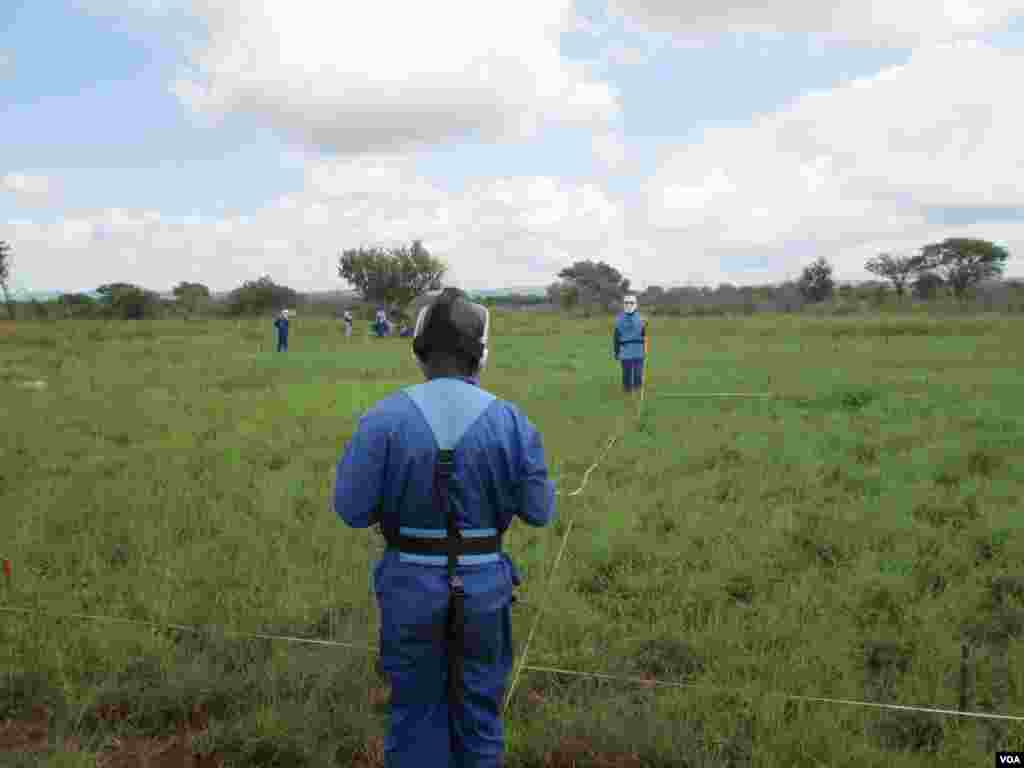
[
  {"x": 284, "y": 313},
  {"x": 629, "y": 304},
  {"x": 450, "y": 338}
]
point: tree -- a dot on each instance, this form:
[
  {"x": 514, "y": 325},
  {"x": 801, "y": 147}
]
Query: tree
[
  {"x": 191, "y": 295},
  {"x": 897, "y": 269},
  {"x": 927, "y": 286},
  {"x": 254, "y": 297},
  {"x": 394, "y": 277},
  {"x": 128, "y": 301},
  {"x": 816, "y": 282},
  {"x": 596, "y": 282},
  {"x": 5, "y": 275},
  {"x": 554, "y": 293},
  {"x": 654, "y": 294},
  {"x": 788, "y": 297},
  {"x": 563, "y": 294},
  {"x": 964, "y": 262},
  {"x": 76, "y": 303}
]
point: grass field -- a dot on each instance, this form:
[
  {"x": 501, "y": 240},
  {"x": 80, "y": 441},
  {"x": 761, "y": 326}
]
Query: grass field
[{"x": 842, "y": 541}]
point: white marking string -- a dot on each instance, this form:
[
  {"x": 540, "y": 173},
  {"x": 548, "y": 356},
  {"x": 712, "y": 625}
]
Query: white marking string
[{"x": 646, "y": 682}]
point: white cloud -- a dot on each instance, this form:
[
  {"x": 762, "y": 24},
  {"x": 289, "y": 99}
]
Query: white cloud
[
  {"x": 609, "y": 149},
  {"x": 29, "y": 189},
  {"x": 855, "y": 168},
  {"x": 623, "y": 55},
  {"x": 905, "y": 23},
  {"x": 392, "y": 75},
  {"x": 495, "y": 231}
]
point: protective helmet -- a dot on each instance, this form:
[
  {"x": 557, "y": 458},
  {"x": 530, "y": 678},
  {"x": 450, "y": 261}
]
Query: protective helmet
[
  {"x": 629, "y": 304},
  {"x": 452, "y": 323}
]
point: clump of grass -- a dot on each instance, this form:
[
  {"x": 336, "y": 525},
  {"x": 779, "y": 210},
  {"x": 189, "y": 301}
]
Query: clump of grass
[
  {"x": 21, "y": 691},
  {"x": 669, "y": 657},
  {"x": 939, "y": 514}
]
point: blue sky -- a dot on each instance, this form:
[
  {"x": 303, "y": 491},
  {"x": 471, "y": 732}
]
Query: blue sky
[{"x": 647, "y": 137}]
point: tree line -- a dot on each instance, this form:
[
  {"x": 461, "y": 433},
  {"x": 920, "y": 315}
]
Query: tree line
[
  {"x": 956, "y": 265},
  {"x": 396, "y": 279}
]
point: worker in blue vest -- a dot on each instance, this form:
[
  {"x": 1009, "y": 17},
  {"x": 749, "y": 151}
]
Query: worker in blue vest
[
  {"x": 281, "y": 323},
  {"x": 443, "y": 467},
  {"x": 630, "y": 344},
  {"x": 381, "y": 326}
]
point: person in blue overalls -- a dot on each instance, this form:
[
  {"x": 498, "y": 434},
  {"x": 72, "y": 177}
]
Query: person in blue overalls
[
  {"x": 381, "y": 326},
  {"x": 443, "y": 467},
  {"x": 281, "y": 323},
  {"x": 630, "y": 345}
]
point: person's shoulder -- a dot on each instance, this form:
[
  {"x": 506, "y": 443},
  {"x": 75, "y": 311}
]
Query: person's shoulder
[
  {"x": 506, "y": 409},
  {"x": 388, "y": 411}
]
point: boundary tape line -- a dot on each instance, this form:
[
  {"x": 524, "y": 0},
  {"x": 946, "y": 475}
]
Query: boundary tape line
[{"x": 646, "y": 682}]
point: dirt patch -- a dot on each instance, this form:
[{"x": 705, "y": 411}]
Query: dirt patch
[
  {"x": 575, "y": 753},
  {"x": 370, "y": 756},
  {"x": 29, "y": 735},
  {"x": 8, "y": 327},
  {"x": 33, "y": 735}
]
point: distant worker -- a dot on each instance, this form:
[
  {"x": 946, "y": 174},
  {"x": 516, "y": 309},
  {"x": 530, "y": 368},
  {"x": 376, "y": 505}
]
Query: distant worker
[
  {"x": 347, "y": 317},
  {"x": 405, "y": 332},
  {"x": 630, "y": 345},
  {"x": 282, "y": 331},
  {"x": 381, "y": 326},
  {"x": 444, "y": 467}
]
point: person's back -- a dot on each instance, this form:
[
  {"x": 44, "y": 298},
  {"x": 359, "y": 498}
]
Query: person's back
[{"x": 403, "y": 447}]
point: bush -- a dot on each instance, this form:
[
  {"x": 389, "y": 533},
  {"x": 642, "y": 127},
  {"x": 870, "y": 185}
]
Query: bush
[{"x": 255, "y": 297}]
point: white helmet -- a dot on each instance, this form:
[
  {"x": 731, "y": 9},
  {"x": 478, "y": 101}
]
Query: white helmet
[{"x": 629, "y": 304}]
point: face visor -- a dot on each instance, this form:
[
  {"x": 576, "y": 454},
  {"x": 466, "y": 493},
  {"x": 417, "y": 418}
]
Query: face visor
[{"x": 629, "y": 304}]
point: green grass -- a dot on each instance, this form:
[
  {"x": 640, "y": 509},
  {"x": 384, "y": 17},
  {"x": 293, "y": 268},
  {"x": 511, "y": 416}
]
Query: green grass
[{"x": 182, "y": 472}]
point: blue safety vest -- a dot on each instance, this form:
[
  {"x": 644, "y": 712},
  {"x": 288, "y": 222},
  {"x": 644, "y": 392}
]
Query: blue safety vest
[{"x": 630, "y": 331}]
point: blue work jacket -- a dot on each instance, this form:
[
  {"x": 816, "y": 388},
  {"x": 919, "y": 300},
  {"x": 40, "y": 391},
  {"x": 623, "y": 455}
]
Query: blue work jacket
[
  {"x": 386, "y": 474},
  {"x": 630, "y": 333}
]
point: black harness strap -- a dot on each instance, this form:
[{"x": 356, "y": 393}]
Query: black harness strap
[
  {"x": 457, "y": 594},
  {"x": 470, "y": 545},
  {"x": 452, "y": 546}
]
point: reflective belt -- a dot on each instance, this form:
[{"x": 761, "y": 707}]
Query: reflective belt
[{"x": 452, "y": 546}]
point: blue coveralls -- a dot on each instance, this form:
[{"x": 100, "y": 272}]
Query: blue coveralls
[
  {"x": 630, "y": 333},
  {"x": 282, "y": 334},
  {"x": 387, "y": 475}
]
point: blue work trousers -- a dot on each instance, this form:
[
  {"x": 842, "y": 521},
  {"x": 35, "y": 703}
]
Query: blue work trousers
[
  {"x": 282, "y": 343},
  {"x": 632, "y": 374},
  {"x": 425, "y": 731}
]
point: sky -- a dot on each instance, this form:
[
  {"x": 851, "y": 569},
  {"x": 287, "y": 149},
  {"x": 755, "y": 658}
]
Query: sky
[{"x": 695, "y": 142}]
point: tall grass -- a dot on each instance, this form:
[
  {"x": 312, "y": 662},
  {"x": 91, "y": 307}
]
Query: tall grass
[{"x": 182, "y": 472}]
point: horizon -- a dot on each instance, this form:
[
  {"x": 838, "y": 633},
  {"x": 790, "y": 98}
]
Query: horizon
[{"x": 505, "y": 291}]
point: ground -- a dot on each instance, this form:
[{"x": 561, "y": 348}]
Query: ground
[{"x": 182, "y": 474}]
